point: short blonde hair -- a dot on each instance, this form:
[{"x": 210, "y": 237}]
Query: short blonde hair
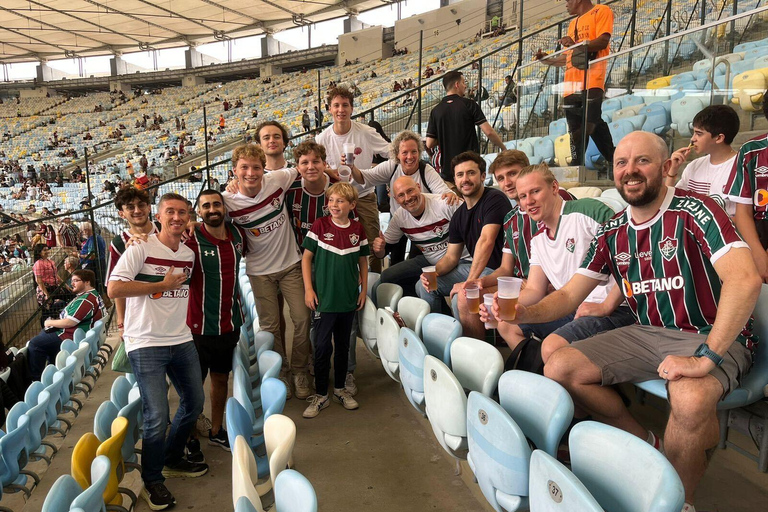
[
  {"x": 342, "y": 189},
  {"x": 249, "y": 152},
  {"x": 394, "y": 147},
  {"x": 542, "y": 169}
]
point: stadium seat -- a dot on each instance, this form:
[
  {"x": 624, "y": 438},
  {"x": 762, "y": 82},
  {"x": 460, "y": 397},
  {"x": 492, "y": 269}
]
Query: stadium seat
[
  {"x": 582, "y": 192},
  {"x": 387, "y": 332},
  {"x": 612, "y": 203},
  {"x": 112, "y": 449},
  {"x": 438, "y": 334},
  {"x": 411, "y": 354},
  {"x": 749, "y": 88},
  {"x": 38, "y": 429},
  {"x": 244, "y": 505},
  {"x": 366, "y": 319},
  {"x": 294, "y": 493},
  {"x": 133, "y": 415},
  {"x": 13, "y": 452},
  {"x": 620, "y": 129},
  {"x": 563, "y": 155},
  {"x": 91, "y": 499},
  {"x": 683, "y": 111},
  {"x": 657, "y": 117},
  {"x": 541, "y": 407},
  {"x": 622, "y": 471},
  {"x": 413, "y": 311},
  {"x": 544, "y": 150},
  {"x": 558, "y": 127},
  {"x": 244, "y": 474},
  {"x": 553, "y": 488},
  {"x": 119, "y": 392},
  {"x": 279, "y": 439},
  {"x": 388, "y": 295}
]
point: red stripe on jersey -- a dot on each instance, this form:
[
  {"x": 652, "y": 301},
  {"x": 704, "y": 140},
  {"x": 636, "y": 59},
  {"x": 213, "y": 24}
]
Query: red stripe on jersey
[
  {"x": 151, "y": 260},
  {"x": 424, "y": 229},
  {"x": 245, "y": 211}
]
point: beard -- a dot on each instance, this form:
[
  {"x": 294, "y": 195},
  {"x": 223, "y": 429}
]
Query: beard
[
  {"x": 647, "y": 196},
  {"x": 213, "y": 222}
]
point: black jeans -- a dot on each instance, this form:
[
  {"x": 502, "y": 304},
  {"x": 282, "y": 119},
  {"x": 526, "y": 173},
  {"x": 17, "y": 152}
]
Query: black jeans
[
  {"x": 597, "y": 128},
  {"x": 332, "y": 328}
]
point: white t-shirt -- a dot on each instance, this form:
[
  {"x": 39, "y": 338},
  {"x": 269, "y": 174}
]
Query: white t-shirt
[
  {"x": 157, "y": 320},
  {"x": 382, "y": 174},
  {"x": 367, "y": 142},
  {"x": 705, "y": 178},
  {"x": 560, "y": 254},
  {"x": 271, "y": 243},
  {"x": 430, "y": 232}
]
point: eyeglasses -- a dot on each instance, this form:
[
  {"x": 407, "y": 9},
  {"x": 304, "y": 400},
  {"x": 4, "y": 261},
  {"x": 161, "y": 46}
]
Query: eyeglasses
[{"x": 76, "y": 280}]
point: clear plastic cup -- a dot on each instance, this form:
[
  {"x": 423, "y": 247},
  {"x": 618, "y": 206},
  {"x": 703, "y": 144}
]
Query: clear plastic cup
[
  {"x": 488, "y": 302},
  {"x": 345, "y": 173},
  {"x": 473, "y": 298},
  {"x": 509, "y": 291},
  {"x": 349, "y": 152},
  {"x": 431, "y": 276}
]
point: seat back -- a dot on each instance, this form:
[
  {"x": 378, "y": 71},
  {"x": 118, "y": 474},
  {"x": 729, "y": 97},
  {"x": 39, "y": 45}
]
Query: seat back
[
  {"x": 273, "y": 396},
  {"x": 294, "y": 493},
  {"x": 612, "y": 203},
  {"x": 245, "y": 473},
  {"x": 263, "y": 340},
  {"x": 563, "y": 155},
  {"x": 438, "y": 334},
  {"x": 582, "y": 192},
  {"x": 367, "y": 320},
  {"x": 54, "y": 404},
  {"x": 413, "y": 310},
  {"x": 270, "y": 363},
  {"x": 553, "y": 488},
  {"x": 498, "y": 450},
  {"x": 112, "y": 448},
  {"x": 82, "y": 457},
  {"x": 238, "y": 421},
  {"x": 444, "y": 400},
  {"x": 102, "y": 421},
  {"x": 119, "y": 393},
  {"x": 67, "y": 385},
  {"x": 411, "y": 354},
  {"x": 753, "y": 385},
  {"x": 541, "y": 407},
  {"x": 388, "y": 295},
  {"x": 132, "y": 414},
  {"x": 13, "y": 452},
  {"x": 34, "y": 389},
  {"x": 92, "y": 498},
  {"x": 683, "y": 112},
  {"x": 244, "y": 505},
  {"x": 558, "y": 127},
  {"x": 476, "y": 364},
  {"x": 38, "y": 426},
  {"x": 387, "y": 332},
  {"x": 373, "y": 278},
  {"x": 622, "y": 471},
  {"x": 241, "y": 391},
  {"x": 279, "y": 439},
  {"x": 61, "y": 495}
]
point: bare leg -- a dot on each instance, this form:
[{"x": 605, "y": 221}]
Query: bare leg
[
  {"x": 582, "y": 378},
  {"x": 550, "y": 344},
  {"x": 511, "y": 334},
  {"x": 470, "y": 322},
  {"x": 692, "y": 428},
  {"x": 219, "y": 388}
]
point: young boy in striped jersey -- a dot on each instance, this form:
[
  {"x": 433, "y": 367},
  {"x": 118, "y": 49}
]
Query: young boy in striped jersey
[{"x": 338, "y": 248}]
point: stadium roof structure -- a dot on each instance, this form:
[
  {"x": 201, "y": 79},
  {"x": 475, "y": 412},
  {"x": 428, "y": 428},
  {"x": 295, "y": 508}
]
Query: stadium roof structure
[{"x": 56, "y": 29}]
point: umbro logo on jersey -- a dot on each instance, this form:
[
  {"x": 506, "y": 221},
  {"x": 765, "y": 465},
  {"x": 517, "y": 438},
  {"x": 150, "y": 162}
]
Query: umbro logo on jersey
[
  {"x": 209, "y": 253},
  {"x": 761, "y": 171},
  {"x": 623, "y": 258},
  {"x": 570, "y": 244},
  {"x": 296, "y": 207},
  {"x": 161, "y": 270},
  {"x": 327, "y": 236},
  {"x": 668, "y": 248},
  {"x": 353, "y": 238},
  {"x": 515, "y": 235}
]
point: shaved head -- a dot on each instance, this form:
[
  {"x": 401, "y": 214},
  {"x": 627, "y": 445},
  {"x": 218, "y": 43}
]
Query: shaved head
[
  {"x": 640, "y": 162},
  {"x": 648, "y": 141},
  {"x": 407, "y": 193},
  {"x": 403, "y": 182}
]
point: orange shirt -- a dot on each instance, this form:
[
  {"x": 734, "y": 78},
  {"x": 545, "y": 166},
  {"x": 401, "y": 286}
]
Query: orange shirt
[{"x": 590, "y": 25}]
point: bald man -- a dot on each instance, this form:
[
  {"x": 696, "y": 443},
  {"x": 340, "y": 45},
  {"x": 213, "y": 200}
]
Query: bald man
[
  {"x": 690, "y": 281},
  {"x": 424, "y": 219}
]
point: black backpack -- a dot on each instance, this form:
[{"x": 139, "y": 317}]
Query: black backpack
[
  {"x": 527, "y": 357},
  {"x": 422, "y": 172}
]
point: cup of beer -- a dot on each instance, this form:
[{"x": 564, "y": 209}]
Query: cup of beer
[
  {"x": 431, "y": 275},
  {"x": 345, "y": 173},
  {"x": 473, "y": 298},
  {"x": 349, "y": 152},
  {"x": 509, "y": 291},
  {"x": 488, "y": 301}
]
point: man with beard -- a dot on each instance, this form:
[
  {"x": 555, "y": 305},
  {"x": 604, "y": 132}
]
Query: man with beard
[
  {"x": 690, "y": 281},
  {"x": 214, "y": 313}
]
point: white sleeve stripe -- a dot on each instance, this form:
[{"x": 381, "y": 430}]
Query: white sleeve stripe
[
  {"x": 739, "y": 199},
  {"x": 721, "y": 252},
  {"x": 593, "y": 275}
]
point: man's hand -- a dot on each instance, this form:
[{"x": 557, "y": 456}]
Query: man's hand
[
  {"x": 137, "y": 239},
  {"x": 361, "y": 299},
  {"x": 379, "y": 244},
  {"x": 173, "y": 281},
  {"x": 521, "y": 312},
  {"x": 540, "y": 54},
  {"x": 484, "y": 316},
  {"x": 590, "y": 309},
  {"x": 458, "y": 287},
  {"x": 424, "y": 282},
  {"x": 451, "y": 199},
  {"x": 233, "y": 187},
  {"x": 567, "y": 41},
  {"x": 678, "y": 158},
  {"x": 332, "y": 173},
  {"x": 310, "y": 299},
  {"x": 677, "y": 367}
]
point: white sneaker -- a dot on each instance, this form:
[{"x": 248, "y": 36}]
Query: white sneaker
[
  {"x": 203, "y": 425},
  {"x": 349, "y": 384},
  {"x": 301, "y": 383},
  {"x": 316, "y": 404},
  {"x": 344, "y": 398}
]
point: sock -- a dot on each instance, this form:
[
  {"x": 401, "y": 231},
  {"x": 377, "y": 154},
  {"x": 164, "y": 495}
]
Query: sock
[{"x": 337, "y": 391}]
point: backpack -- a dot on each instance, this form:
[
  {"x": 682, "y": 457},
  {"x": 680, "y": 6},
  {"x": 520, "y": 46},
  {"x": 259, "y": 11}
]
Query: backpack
[
  {"x": 422, "y": 173},
  {"x": 526, "y": 356}
]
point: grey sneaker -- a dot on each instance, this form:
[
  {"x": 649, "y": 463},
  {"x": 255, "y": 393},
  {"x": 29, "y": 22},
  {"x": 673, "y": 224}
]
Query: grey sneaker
[
  {"x": 345, "y": 398},
  {"x": 316, "y": 404},
  {"x": 349, "y": 384},
  {"x": 284, "y": 376},
  {"x": 203, "y": 425},
  {"x": 301, "y": 383}
]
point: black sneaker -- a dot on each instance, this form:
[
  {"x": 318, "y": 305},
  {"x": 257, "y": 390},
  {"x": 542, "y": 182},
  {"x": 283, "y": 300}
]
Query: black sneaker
[
  {"x": 194, "y": 454},
  {"x": 158, "y": 497},
  {"x": 221, "y": 439},
  {"x": 185, "y": 469}
]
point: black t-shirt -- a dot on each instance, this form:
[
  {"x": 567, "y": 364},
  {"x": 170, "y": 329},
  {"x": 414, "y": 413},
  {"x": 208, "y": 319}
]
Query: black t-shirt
[
  {"x": 453, "y": 123},
  {"x": 466, "y": 225}
]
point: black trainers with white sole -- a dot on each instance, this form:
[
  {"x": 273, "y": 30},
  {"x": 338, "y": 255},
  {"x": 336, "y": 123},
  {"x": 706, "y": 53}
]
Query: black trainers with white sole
[
  {"x": 221, "y": 439},
  {"x": 158, "y": 497},
  {"x": 185, "y": 469}
]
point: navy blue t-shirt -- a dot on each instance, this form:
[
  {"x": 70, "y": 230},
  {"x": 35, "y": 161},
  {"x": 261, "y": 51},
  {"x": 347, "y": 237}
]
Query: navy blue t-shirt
[{"x": 466, "y": 225}]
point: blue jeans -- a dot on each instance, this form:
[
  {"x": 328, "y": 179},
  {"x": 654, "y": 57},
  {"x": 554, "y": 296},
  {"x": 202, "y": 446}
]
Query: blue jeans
[
  {"x": 150, "y": 366},
  {"x": 42, "y": 348},
  {"x": 445, "y": 284}
]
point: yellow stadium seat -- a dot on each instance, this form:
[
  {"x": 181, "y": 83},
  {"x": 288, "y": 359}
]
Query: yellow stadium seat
[
  {"x": 563, "y": 155},
  {"x": 82, "y": 457},
  {"x": 658, "y": 83},
  {"x": 749, "y": 88},
  {"x": 112, "y": 448}
]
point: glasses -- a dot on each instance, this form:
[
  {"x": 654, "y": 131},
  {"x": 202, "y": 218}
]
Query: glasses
[
  {"x": 76, "y": 280},
  {"x": 134, "y": 207}
]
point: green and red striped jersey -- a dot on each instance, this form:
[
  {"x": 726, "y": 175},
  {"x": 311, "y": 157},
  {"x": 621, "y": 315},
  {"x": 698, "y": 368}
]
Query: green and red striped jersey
[
  {"x": 214, "y": 290},
  {"x": 748, "y": 182},
  {"x": 665, "y": 266},
  {"x": 85, "y": 309},
  {"x": 305, "y": 208}
]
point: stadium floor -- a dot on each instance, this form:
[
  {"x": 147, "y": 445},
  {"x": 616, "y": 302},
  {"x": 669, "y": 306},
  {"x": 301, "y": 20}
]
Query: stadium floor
[{"x": 384, "y": 457}]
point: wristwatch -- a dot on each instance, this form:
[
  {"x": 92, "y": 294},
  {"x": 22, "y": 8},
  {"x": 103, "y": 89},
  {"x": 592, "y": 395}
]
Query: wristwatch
[{"x": 705, "y": 351}]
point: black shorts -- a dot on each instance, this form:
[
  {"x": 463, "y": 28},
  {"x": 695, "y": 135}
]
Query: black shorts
[{"x": 215, "y": 352}]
